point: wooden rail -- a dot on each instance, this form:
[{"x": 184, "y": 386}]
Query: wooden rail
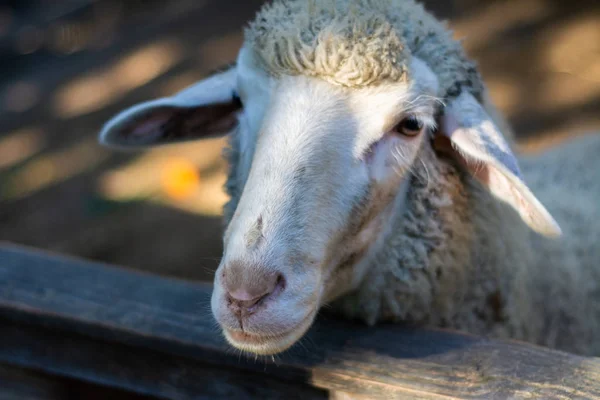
[{"x": 153, "y": 336}]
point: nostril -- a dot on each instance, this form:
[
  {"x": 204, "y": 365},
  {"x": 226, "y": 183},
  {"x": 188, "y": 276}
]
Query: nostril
[
  {"x": 279, "y": 284},
  {"x": 249, "y": 298},
  {"x": 240, "y": 301}
]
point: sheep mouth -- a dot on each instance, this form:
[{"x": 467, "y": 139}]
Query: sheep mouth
[{"x": 268, "y": 344}]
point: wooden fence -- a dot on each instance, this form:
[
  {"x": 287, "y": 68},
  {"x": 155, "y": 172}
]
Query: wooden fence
[{"x": 80, "y": 321}]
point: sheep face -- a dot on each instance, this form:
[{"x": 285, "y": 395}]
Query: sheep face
[
  {"x": 320, "y": 171},
  {"x": 325, "y": 170},
  {"x": 322, "y": 168}
]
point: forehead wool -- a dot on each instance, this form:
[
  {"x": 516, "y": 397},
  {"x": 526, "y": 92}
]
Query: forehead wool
[{"x": 356, "y": 43}]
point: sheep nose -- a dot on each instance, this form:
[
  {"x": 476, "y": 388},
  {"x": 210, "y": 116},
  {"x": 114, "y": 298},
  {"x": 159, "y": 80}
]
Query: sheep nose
[{"x": 246, "y": 299}]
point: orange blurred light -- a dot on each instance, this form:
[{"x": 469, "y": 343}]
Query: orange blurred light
[
  {"x": 180, "y": 178},
  {"x": 188, "y": 176}
]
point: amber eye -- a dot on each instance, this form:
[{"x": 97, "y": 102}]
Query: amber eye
[{"x": 409, "y": 126}]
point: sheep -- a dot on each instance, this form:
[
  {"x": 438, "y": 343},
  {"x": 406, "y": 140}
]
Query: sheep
[{"x": 369, "y": 171}]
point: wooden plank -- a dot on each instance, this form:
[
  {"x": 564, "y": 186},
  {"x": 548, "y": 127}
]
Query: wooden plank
[
  {"x": 128, "y": 328},
  {"x": 18, "y": 384},
  {"x": 21, "y": 384},
  {"x": 137, "y": 369}
]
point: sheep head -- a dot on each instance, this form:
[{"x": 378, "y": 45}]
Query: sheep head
[{"x": 320, "y": 169}]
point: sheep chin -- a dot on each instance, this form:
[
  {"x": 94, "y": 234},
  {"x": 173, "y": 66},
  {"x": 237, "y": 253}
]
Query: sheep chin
[{"x": 268, "y": 345}]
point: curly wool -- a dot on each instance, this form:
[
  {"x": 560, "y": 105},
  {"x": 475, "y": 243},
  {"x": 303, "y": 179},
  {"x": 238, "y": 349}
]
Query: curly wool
[
  {"x": 357, "y": 43},
  {"x": 459, "y": 258}
]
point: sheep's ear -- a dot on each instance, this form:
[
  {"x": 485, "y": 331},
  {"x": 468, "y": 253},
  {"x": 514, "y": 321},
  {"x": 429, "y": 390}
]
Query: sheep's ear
[
  {"x": 480, "y": 146},
  {"x": 203, "y": 110}
]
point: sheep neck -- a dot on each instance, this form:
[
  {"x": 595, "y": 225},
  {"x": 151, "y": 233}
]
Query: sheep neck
[{"x": 434, "y": 266}]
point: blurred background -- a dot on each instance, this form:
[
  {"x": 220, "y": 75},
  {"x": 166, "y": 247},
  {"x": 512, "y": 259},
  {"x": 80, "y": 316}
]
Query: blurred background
[{"x": 67, "y": 66}]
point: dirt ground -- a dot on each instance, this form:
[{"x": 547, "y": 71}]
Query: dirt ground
[{"x": 63, "y": 75}]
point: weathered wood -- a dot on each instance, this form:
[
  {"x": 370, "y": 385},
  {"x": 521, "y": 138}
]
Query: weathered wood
[
  {"x": 156, "y": 336},
  {"x": 136, "y": 369},
  {"x": 20, "y": 384}
]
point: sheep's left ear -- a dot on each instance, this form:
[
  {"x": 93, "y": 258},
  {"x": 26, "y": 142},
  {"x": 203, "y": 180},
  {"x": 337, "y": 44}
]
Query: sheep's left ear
[
  {"x": 206, "y": 109},
  {"x": 480, "y": 146}
]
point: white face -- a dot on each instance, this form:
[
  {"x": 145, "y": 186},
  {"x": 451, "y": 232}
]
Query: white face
[
  {"x": 325, "y": 167},
  {"x": 321, "y": 170}
]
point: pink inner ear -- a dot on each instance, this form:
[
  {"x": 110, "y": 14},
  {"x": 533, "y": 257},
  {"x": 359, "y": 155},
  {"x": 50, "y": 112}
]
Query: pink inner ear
[
  {"x": 506, "y": 187},
  {"x": 515, "y": 193},
  {"x": 150, "y": 127},
  {"x": 448, "y": 125},
  {"x": 479, "y": 170}
]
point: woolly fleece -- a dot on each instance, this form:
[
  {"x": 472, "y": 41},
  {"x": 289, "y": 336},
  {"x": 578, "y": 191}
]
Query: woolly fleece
[
  {"x": 459, "y": 258},
  {"x": 357, "y": 43}
]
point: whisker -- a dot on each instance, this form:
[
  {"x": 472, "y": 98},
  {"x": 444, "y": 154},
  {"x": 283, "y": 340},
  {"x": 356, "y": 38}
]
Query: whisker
[{"x": 426, "y": 172}]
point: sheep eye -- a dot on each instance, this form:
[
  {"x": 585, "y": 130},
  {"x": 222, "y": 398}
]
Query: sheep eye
[{"x": 409, "y": 126}]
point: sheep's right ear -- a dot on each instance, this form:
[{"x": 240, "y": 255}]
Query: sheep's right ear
[{"x": 206, "y": 109}]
